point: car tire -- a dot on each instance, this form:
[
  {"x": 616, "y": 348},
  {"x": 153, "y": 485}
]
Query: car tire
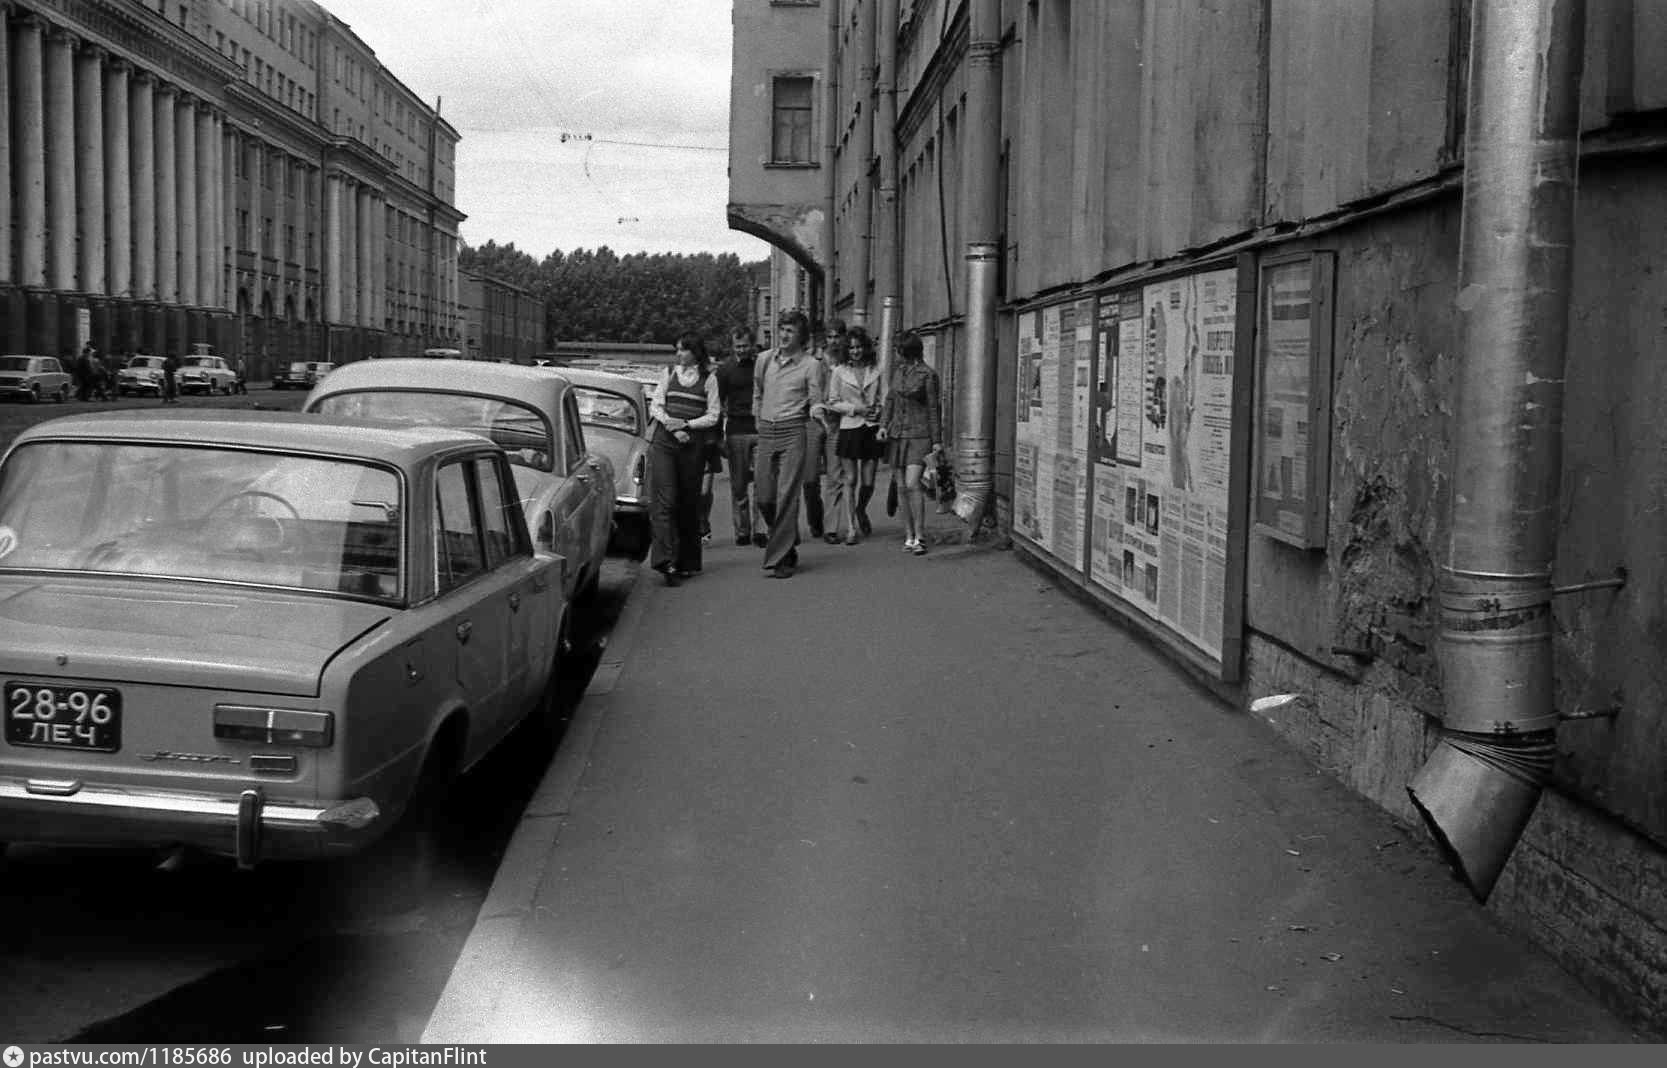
[
  {"x": 393, "y": 874},
  {"x": 550, "y": 715},
  {"x": 34, "y": 394},
  {"x": 62, "y": 396}
]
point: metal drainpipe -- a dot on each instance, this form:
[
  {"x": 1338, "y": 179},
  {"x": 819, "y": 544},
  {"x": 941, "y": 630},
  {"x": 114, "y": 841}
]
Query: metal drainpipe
[
  {"x": 1479, "y": 788},
  {"x": 887, "y": 250},
  {"x": 975, "y": 394},
  {"x": 864, "y": 92},
  {"x": 830, "y": 133}
]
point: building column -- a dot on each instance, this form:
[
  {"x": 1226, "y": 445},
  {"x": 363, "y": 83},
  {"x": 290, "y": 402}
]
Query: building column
[
  {"x": 30, "y": 119},
  {"x": 207, "y": 197},
  {"x": 332, "y": 249},
  {"x": 350, "y": 251},
  {"x": 141, "y": 119},
  {"x": 379, "y": 263},
  {"x": 60, "y": 159},
  {"x": 6, "y": 143},
  {"x": 118, "y": 207},
  {"x": 167, "y": 197},
  {"x": 222, "y": 204},
  {"x": 185, "y": 176},
  {"x": 89, "y": 166},
  {"x": 362, "y": 209}
]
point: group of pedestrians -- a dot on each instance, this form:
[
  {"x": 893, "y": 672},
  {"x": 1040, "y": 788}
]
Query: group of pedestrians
[{"x": 805, "y": 422}]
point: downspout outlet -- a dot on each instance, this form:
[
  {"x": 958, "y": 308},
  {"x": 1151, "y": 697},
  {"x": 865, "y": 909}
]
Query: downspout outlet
[{"x": 1476, "y": 795}]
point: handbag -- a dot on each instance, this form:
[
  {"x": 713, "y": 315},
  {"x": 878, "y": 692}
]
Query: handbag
[{"x": 891, "y": 496}]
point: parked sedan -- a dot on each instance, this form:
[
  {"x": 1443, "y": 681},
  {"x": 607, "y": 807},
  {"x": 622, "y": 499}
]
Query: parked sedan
[
  {"x": 143, "y": 374},
  {"x": 565, "y": 488},
  {"x": 262, "y": 635},
  {"x": 614, "y": 410},
  {"x": 206, "y": 374},
  {"x": 301, "y": 374},
  {"x": 34, "y": 377}
]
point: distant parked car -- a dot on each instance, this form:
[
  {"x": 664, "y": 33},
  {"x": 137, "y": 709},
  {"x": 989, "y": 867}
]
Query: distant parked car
[
  {"x": 565, "y": 488},
  {"x": 34, "y": 377},
  {"x": 262, "y": 635},
  {"x": 206, "y": 374},
  {"x": 301, "y": 374},
  {"x": 143, "y": 374},
  {"x": 614, "y": 410}
]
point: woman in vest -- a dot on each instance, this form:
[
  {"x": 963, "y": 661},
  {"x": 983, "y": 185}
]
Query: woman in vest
[{"x": 685, "y": 412}]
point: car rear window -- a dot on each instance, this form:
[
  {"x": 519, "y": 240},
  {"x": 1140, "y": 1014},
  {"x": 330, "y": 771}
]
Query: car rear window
[
  {"x": 519, "y": 428},
  {"x": 202, "y": 512},
  {"x": 598, "y": 407}
]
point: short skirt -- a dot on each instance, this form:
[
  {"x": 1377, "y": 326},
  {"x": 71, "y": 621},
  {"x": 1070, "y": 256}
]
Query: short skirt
[
  {"x": 907, "y": 452},
  {"x": 859, "y": 443}
]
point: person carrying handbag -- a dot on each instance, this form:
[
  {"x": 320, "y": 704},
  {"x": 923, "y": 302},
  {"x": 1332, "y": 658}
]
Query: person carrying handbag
[
  {"x": 911, "y": 427},
  {"x": 685, "y": 411}
]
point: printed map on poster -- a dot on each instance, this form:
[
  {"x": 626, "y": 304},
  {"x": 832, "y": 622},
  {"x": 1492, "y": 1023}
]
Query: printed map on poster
[{"x": 1160, "y": 524}]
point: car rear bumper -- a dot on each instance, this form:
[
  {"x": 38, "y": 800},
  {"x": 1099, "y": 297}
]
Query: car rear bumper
[
  {"x": 624, "y": 506},
  {"x": 246, "y": 827}
]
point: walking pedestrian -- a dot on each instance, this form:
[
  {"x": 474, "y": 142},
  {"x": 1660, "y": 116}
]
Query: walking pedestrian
[
  {"x": 685, "y": 412},
  {"x": 911, "y": 428},
  {"x": 86, "y": 373},
  {"x": 786, "y": 381},
  {"x": 854, "y": 395},
  {"x": 740, "y": 435},
  {"x": 242, "y": 383},
  {"x": 170, "y": 383},
  {"x": 822, "y": 491}
]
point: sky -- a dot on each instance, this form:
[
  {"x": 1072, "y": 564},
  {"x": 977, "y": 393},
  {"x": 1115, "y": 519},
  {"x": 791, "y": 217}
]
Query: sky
[{"x": 638, "y": 78}]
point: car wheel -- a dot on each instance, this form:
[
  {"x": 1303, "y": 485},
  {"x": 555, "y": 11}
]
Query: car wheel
[
  {"x": 394, "y": 873},
  {"x": 548, "y": 718},
  {"x": 63, "y": 394}
]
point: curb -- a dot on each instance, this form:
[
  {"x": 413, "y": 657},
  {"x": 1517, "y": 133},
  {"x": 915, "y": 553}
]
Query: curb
[{"x": 464, "y": 1010}]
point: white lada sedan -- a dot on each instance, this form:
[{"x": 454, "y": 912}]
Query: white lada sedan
[{"x": 262, "y": 635}]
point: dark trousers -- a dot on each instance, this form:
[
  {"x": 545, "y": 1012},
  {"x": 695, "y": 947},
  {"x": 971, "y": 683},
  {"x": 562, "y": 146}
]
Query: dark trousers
[
  {"x": 781, "y": 461},
  {"x": 740, "y": 457},
  {"x": 816, "y": 450},
  {"x": 674, "y": 507}
]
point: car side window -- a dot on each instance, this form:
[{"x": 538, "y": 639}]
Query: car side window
[
  {"x": 460, "y": 553},
  {"x": 574, "y": 433},
  {"x": 504, "y": 538}
]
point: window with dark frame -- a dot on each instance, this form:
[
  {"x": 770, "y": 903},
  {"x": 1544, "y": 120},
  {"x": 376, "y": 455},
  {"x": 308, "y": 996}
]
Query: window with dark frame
[
  {"x": 791, "y": 139},
  {"x": 1294, "y": 319}
]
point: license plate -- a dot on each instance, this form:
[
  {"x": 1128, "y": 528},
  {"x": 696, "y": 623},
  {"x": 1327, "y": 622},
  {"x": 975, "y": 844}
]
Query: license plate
[{"x": 63, "y": 717}]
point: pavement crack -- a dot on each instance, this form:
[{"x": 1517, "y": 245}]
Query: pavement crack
[{"x": 1467, "y": 1031}]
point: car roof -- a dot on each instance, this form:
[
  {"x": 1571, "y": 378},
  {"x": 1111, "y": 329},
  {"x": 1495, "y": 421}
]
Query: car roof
[
  {"x": 535, "y": 385},
  {"x": 288, "y": 431},
  {"x": 596, "y": 379}
]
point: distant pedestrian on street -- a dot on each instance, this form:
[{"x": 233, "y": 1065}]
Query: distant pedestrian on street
[
  {"x": 854, "y": 397},
  {"x": 786, "y": 381},
  {"x": 242, "y": 383},
  {"x": 685, "y": 413},
  {"x": 170, "y": 383},
  {"x": 911, "y": 428},
  {"x": 86, "y": 373},
  {"x": 740, "y": 434}
]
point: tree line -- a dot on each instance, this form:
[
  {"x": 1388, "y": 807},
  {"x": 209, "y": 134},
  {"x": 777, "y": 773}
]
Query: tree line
[{"x": 649, "y": 298}]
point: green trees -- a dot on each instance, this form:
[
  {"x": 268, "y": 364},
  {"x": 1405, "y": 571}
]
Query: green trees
[{"x": 642, "y": 297}]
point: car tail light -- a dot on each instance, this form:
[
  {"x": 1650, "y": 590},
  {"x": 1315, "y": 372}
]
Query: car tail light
[
  {"x": 640, "y": 471},
  {"x": 274, "y": 726}
]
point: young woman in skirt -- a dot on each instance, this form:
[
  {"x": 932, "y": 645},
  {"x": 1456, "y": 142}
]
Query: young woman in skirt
[{"x": 854, "y": 395}]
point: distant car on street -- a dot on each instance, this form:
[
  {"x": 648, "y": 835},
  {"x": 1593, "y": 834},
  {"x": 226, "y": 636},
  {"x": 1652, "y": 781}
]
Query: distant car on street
[
  {"x": 142, "y": 375},
  {"x": 301, "y": 374},
  {"x": 614, "y": 410},
  {"x": 206, "y": 374},
  {"x": 34, "y": 377},
  {"x": 565, "y": 488},
  {"x": 259, "y": 634}
]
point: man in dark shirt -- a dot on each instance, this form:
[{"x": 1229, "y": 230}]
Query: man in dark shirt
[{"x": 740, "y": 434}]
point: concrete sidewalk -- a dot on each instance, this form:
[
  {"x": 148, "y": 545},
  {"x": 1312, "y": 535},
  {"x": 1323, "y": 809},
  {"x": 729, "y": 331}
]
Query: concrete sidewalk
[{"x": 936, "y": 799}]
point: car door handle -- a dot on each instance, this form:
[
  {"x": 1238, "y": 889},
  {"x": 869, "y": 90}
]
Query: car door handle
[
  {"x": 464, "y": 629},
  {"x": 515, "y": 602}
]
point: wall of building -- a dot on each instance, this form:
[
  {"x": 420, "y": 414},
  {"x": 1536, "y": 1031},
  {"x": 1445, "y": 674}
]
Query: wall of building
[
  {"x": 501, "y": 322},
  {"x": 171, "y": 181},
  {"x": 1144, "y": 141}
]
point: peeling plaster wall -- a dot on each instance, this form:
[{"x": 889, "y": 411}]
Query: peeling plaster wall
[{"x": 1586, "y": 880}]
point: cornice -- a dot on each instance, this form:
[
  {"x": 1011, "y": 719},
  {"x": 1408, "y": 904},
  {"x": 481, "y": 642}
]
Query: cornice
[
  {"x": 946, "y": 58},
  {"x": 138, "y": 35},
  {"x": 252, "y": 111}
]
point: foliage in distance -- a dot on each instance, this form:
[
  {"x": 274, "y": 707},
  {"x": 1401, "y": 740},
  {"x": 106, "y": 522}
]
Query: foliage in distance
[{"x": 642, "y": 297}]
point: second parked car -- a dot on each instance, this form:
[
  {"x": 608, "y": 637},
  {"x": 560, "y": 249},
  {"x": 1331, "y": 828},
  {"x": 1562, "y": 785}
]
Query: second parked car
[
  {"x": 142, "y": 375},
  {"x": 301, "y": 374},
  {"x": 565, "y": 487},
  {"x": 614, "y": 409},
  {"x": 34, "y": 378},
  {"x": 206, "y": 374}
]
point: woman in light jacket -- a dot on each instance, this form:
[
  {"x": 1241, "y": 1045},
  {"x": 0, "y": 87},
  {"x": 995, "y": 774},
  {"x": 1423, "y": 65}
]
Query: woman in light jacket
[
  {"x": 685, "y": 413},
  {"x": 910, "y": 426},
  {"x": 854, "y": 395}
]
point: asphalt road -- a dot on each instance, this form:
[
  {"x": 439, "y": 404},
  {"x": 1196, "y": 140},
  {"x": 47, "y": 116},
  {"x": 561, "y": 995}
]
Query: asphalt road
[{"x": 102, "y": 946}]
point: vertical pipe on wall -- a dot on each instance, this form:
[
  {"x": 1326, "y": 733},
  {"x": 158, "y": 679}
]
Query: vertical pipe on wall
[
  {"x": 888, "y": 250},
  {"x": 1481, "y": 784},
  {"x": 830, "y": 181},
  {"x": 863, "y": 169},
  {"x": 975, "y": 386}
]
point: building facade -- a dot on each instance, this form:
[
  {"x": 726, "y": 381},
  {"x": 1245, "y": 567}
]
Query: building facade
[
  {"x": 501, "y": 322},
  {"x": 238, "y": 173},
  {"x": 1239, "y": 344}
]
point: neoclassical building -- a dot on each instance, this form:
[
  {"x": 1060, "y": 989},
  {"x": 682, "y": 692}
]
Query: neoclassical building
[{"x": 238, "y": 173}]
